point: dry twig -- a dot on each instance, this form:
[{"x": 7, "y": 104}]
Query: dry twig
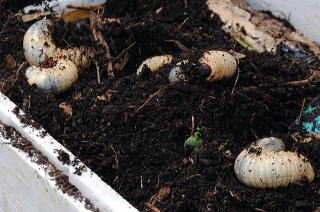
[
  {"x": 151, "y": 207},
  {"x": 157, "y": 93},
  {"x": 95, "y": 24}
]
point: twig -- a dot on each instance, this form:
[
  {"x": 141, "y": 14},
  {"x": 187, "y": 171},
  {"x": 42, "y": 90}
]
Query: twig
[
  {"x": 254, "y": 66},
  {"x": 235, "y": 83},
  {"x": 298, "y": 83},
  {"x": 18, "y": 73},
  {"x": 123, "y": 52},
  {"x": 151, "y": 207},
  {"x": 192, "y": 125},
  {"x": 281, "y": 84},
  {"x": 185, "y": 4},
  {"x": 115, "y": 157},
  {"x": 302, "y": 107},
  {"x": 183, "y": 23},
  {"x": 98, "y": 71},
  {"x": 95, "y": 22},
  {"x": 297, "y": 120},
  {"x": 6, "y": 23},
  {"x": 157, "y": 93},
  {"x": 179, "y": 44}
]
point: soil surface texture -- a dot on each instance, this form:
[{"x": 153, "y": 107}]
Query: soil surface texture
[{"x": 139, "y": 148}]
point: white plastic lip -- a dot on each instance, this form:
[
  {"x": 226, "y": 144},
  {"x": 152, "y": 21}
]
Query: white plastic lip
[
  {"x": 23, "y": 176},
  {"x": 59, "y": 6},
  {"x": 88, "y": 183}
]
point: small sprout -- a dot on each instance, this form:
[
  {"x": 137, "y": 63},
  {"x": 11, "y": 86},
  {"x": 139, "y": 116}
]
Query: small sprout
[{"x": 195, "y": 140}]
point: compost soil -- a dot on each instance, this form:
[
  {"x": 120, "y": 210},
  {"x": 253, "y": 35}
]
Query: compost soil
[{"x": 141, "y": 153}]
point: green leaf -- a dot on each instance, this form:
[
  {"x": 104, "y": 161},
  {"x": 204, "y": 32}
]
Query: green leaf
[{"x": 193, "y": 141}]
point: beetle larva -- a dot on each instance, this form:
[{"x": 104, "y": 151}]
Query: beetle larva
[
  {"x": 221, "y": 64},
  {"x": 265, "y": 164},
  {"x": 155, "y": 63},
  {"x": 38, "y": 46},
  {"x": 56, "y": 79}
]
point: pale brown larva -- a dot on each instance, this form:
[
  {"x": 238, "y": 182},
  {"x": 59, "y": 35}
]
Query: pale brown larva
[
  {"x": 265, "y": 164},
  {"x": 221, "y": 64},
  {"x": 155, "y": 63}
]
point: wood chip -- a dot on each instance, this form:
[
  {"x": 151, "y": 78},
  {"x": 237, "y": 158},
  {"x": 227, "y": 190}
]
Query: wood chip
[
  {"x": 162, "y": 194},
  {"x": 67, "y": 109},
  {"x": 75, "y": 15},
  {"x": 10, "y": 61},
  {"x": 151, "y": 207},
  {"x": 33, "y": 16}
]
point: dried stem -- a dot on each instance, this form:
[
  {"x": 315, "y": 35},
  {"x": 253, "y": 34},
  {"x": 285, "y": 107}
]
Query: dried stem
[
  {"x": 157, "y": 93},
  {"x": 95, "y": 22},
  {"x": 192, "y": 125},
  {"x": 151, "y": 207}
]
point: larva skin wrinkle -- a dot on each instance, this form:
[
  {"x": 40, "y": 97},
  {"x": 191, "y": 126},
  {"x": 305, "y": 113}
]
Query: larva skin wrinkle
[
  {"x": 56, "y": 79},
  {"x": 155, "y": 63},
  {"x": 265, "y": 164},
  {"x": 222, "y": 64},
  {"x": 38, "y": 47}
]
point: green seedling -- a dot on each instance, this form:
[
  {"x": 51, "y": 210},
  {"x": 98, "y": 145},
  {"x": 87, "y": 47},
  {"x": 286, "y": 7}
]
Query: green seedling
[{"x": 195, "y": 140}]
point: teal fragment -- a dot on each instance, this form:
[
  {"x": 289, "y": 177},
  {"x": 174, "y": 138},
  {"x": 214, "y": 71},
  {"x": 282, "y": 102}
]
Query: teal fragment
[
  {"x": 311, "y": 109},
  {"x": 312, "y": 127}
]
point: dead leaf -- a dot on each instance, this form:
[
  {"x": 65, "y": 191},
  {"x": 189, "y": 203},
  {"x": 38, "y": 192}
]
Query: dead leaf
[
  {"x": 120, "y": 66},
  {"x": 10, "y": 61},
  {"x": 66, "y": 108},
  {"x": 162, "y": 194}
]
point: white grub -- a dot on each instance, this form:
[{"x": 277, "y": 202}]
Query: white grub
[
  {"x": 221, "y": 64},
  {"x": 38, "y": 47},
  {"x": 59, "y": 6},
  {"x": 155, "y": 63},
  {"x": 265, "y": 164},
  {"x": 56, "y": 79}
]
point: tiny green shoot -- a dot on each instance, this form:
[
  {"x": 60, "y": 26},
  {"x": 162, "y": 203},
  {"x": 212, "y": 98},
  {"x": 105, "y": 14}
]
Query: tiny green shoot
[{"x": 195, "y": 140}]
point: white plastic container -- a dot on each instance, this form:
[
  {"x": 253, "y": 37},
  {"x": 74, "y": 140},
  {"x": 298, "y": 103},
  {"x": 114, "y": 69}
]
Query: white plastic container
[{"x": 26, "y": 185}]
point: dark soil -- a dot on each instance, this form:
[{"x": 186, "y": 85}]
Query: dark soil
[{"x": 141, "y": 152}]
